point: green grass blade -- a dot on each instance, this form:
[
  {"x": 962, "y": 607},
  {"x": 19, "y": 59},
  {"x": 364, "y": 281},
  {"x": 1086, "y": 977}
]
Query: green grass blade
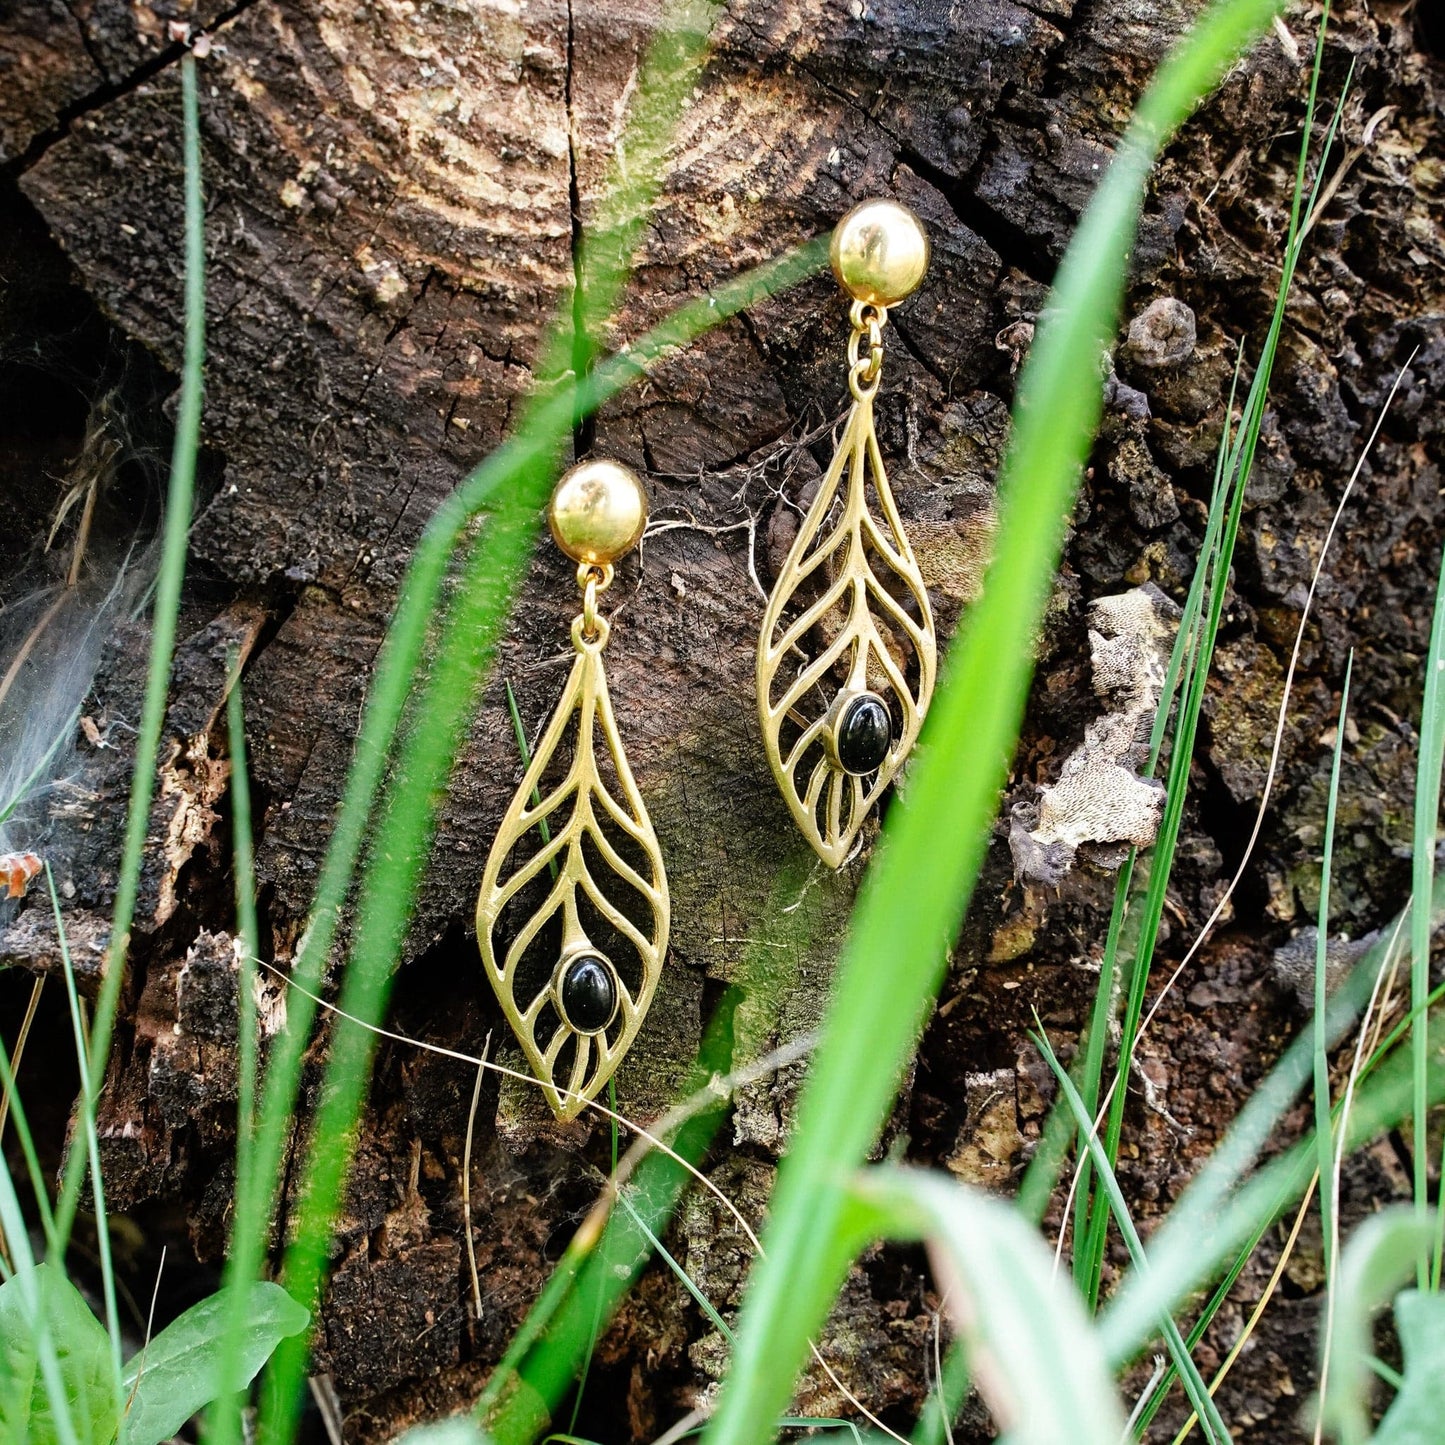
[
  {"x": 1427, "y": 819},
  {"x": 1324, "y": 1138},
  {"x": 1216, "y": 1213},
  {"x": 1380, "y": 1257},
  {"x": 247, "y": 929},
  {"x": 596, "y": 1329},
  {"x": 688, "y": 1283},
  {"x": 88, "y": 1132},
  {"x": 237, "y": 1289},
  {"x": 1199, "y": 1397},
  {"x": 1237, "y": 470},
  {"x": 544, "y": 828},
  {"x": 1042, "y": 1173},
  {"x": 175, "y": 531},
  {"x": 1042, "y": 1373},
  {"x": 914, "y": 898},
  {"x": 1146, "y": 1409}
]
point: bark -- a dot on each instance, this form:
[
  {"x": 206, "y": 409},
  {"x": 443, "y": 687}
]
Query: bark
[{"x": 394, "y": 201}]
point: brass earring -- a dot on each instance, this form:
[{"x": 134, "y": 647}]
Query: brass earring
[
  {"x": 580, "y": 970},
  {"x": 848, "y": 628}
]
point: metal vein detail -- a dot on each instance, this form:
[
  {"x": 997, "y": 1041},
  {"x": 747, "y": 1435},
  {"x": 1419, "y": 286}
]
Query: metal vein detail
[
  {"x": 602, "y": 872},
  {"x": 849, "y": 614}
]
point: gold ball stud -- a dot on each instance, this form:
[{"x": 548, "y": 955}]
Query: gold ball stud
[
  {"x": 879, "y": 252},
  {"x": 597, "y": 512}
]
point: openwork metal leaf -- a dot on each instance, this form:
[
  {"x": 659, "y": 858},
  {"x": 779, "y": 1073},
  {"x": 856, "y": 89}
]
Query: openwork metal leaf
[
  {"x": 575, "y": 876},
  {"x": 848, "y": 616}
]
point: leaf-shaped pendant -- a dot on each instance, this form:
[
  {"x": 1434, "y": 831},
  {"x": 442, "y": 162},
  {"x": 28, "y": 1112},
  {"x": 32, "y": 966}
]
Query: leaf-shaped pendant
[
  {"x": 847, "y": 654},
  {"x": 572, "y": 921}
]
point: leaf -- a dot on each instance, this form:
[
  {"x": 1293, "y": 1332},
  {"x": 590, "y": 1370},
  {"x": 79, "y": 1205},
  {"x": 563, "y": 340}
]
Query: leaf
[
  {"x": 459, "y": 1431},
  {"x": 1032, "y": 1350},
  {"x": 830, "y": 583},
  {"x": 1378, "y": 1258},
  {"x": 40, "y": 1301},
  {"x": 1419, "y": 1406},
  {"x": 179, "y": 1372},
  {"x": 595, "y": 850}
]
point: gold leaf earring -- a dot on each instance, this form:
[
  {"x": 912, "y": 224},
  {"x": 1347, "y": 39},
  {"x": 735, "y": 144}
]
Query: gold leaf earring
[
  {"x": 847, "y": 653},
  {"x": 575, "y": 878}
]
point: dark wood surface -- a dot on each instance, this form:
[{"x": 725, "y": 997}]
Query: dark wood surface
[{"x": 390, "y": 226}]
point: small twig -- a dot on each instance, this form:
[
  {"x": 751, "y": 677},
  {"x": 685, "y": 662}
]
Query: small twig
[
  {"x": 685, "y": 1426},
  {"x": 323, "y": 1391},
  {"x": 28, "y": 646},
  {"x": 943, "y": 1410},
  {"x": 1144, "y": 1396},
  {"x": 150, "y": 1321},
  {"x": 18, "y": 1053},
  {"x": 1331, "y": 186},
  {"x": 82, "y": 533},
  {"x": 467, "y": 1181},
  {"x": 749, "y": 524},
  {"x": 15, "y": 1057}
]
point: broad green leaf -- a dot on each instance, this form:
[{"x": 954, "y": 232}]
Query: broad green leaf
[
  {"x": 1377, "y": 1260},
  {"x": 179, "y": 1372},
  {"x": 40, "y": 1302},
  {"x": 1415, "y": 1416},
  {"x": 1031, "y": 1348}
]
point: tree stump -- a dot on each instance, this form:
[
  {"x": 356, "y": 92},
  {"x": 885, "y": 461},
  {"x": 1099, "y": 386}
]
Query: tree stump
[{"x": 395, "y": 197}]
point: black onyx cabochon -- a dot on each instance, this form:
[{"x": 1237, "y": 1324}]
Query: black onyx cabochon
[
  {"x": 865, "y": 733},
  {"x": 589, "y": 993}
]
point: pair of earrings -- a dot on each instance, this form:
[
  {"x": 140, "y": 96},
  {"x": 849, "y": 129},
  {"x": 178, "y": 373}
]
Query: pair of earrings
[{"x": 847, "y": 630}]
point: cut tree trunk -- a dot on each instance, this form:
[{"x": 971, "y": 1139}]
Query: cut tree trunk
[{"x": 395, "y": 194}]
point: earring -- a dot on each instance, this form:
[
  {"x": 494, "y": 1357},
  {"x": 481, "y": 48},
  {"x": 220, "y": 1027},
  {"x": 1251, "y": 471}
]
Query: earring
[
  {"x": 848, "y": 626},
  {"x": 585, "y": 904}
]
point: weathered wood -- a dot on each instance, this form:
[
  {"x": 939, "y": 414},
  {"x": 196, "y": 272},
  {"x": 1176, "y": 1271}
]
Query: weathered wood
[{"x": 390, "y": 225}]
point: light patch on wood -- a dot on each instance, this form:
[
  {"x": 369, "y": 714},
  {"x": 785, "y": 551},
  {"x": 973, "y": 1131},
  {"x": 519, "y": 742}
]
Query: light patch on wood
[
  {"x": 990, "y": 1139},
  {"x": 460, "y": 110},
  {"x": 1099, "y": 797}
]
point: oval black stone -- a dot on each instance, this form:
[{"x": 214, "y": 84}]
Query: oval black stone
[
  {"x": 864, "y": 735},
  {"x": 589, "y": 993}
]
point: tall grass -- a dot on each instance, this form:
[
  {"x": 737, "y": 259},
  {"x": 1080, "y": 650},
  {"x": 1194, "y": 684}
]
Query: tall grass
[
  {"x": 509, "y": 488},
  {"x": 1323, "y": 1129},
  {"x": 175, "y": 531},
  {"x": 1238, "y": 463},
  {"x": 1191, "y": 637},
  {"x": 917, "y": 890},
  {"x": 1427, "y": 821}
]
